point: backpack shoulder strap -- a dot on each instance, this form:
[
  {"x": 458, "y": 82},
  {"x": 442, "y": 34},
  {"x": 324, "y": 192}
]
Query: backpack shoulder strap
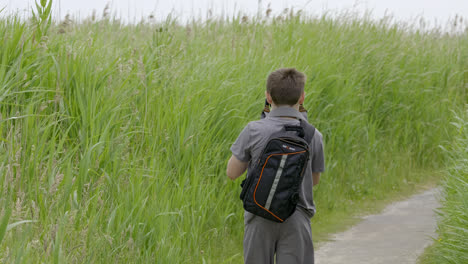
[{"x": 309, "y": 130}]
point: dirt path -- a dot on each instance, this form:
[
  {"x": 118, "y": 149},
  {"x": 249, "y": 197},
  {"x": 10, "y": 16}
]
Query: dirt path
[{"x": 398, "y": 235}]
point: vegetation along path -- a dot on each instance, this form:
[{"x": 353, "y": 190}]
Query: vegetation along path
[{"x": 398, "y": 235}]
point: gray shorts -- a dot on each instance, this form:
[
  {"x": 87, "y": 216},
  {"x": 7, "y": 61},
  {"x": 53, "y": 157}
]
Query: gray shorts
[{"x": 291, "y": 240}]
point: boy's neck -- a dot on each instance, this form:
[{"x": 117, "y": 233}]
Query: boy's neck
[{"x": 273, "y": 106}]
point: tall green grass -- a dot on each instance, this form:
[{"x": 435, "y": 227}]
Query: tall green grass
[
  {"x": 114, "y": 138},
  {"x": 452, "y": 244}
]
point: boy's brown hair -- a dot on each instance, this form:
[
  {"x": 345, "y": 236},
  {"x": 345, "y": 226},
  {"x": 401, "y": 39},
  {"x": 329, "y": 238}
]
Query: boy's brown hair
[{"x": 286, "y": 86}]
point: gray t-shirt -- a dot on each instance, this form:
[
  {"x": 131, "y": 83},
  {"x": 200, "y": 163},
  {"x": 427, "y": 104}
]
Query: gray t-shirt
[{"x": 253, "y": 138}]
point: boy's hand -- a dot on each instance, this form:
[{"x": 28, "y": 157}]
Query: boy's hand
[{"x": 235, "y": 168}]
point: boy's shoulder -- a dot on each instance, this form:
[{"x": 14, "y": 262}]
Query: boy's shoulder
[
  {"x": 259, "y": 123},
  {"x": 262, "y": 126}
]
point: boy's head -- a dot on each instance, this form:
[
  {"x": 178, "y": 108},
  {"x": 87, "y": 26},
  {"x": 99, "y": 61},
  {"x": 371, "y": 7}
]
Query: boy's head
[{"x": 286, "y": 86}]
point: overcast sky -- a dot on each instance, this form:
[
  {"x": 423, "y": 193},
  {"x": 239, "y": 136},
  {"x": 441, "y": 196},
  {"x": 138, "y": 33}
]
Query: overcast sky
[{"x": 134, "y": 10}]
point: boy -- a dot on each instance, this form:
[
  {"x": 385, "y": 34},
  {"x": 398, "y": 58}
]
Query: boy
[{"x": 291, "y": 240}]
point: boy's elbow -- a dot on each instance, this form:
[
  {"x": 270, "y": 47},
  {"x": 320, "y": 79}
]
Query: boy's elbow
[
  {"x": 230, "y": 175},
  {"x": 230, "y": 172},
  {"x": 316, "y": 182},
  {"x": 315, "y": 178},
  {"x": 235, "y": 168}
]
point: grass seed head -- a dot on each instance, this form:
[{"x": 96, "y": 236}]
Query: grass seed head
[{"x": 106, "y": 11}]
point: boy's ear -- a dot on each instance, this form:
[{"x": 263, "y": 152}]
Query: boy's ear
[
  {"x": 268, "y": 97},
  {"x": 302, "y": 98}
]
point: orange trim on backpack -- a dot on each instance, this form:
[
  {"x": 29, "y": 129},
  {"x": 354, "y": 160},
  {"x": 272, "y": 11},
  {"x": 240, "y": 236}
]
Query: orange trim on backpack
[{"x": 261, "y": 174}]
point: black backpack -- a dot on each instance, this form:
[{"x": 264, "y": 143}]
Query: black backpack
[{"x": 271, "y": 188}]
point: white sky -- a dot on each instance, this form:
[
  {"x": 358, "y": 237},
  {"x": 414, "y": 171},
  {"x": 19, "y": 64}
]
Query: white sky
[{"x": 134, "y": 10}]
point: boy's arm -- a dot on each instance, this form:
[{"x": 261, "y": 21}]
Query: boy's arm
[
  {"x": 318, "y": 159},
  {"x": 235, "y": 168},
  {"x": 239, "y": 160},
  {"x": 315, "y": 178}
]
